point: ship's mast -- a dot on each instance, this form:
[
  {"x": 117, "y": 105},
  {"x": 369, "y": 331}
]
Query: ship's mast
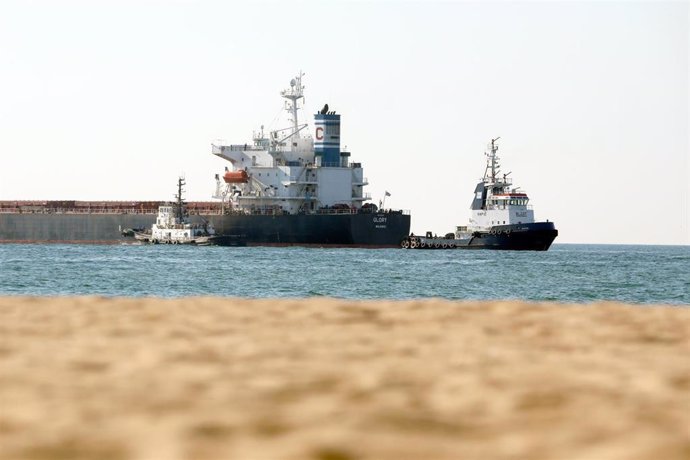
[
  {"x": 178, "y": 197},
  {"x": 295, "y": 93}
]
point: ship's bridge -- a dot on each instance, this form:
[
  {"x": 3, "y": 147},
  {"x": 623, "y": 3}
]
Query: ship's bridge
[{"x": 508, "y": 199}]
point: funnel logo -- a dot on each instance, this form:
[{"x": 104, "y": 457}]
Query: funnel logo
[{"x": 319, "y": 133}]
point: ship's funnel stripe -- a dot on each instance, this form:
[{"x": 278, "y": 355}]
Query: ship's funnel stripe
[{"x": 327, "y": 137}]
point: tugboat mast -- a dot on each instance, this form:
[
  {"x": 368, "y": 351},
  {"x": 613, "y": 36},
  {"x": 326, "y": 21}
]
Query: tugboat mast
[
  {"x": 492, "y": 162},
  {"x": 178, "y": 197}
]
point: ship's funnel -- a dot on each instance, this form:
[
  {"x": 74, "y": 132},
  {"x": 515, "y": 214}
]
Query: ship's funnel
[{"x": 327, "y": 138}]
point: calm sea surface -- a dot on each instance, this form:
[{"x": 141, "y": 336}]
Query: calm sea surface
[{"x": 569, "y": 273}]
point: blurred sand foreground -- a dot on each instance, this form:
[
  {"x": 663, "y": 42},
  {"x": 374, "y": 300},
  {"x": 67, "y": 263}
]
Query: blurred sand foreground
[{"x": 94, "y": 378}]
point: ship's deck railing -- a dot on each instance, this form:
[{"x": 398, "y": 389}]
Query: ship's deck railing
[
  {"x": 241, "y": 147},
  {"x": 337, "y": 211},
  {"x": 494, "y": 207},
  {"x": 99, "y": 211},
  {"x": 237, "y": 148},
  {"x": 75, "y": 211},
  {"x": 340, "y": 165},
  {"x": 194, "y": 212},
  {"x": 362, "y": 211},
  {"x": 99, "y": 207},
  {"x": 323, "y": 164},
  {"x": 278, "y": 211}
]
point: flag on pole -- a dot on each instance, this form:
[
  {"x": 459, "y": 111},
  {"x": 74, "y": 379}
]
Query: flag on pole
[{"x": 388, "y": 194}]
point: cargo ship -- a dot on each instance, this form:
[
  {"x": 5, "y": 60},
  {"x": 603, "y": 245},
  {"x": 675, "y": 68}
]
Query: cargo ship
[
  {"x": 283, "y": 188},
  {"x": 501, "y": 218}
]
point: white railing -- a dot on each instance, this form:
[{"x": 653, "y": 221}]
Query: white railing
[
  {"x": 495, "y": 207},
  {"x": 196, "y": 212},
  {"x": 77, "y": 211},
  {"x": 237, "y": 148}
]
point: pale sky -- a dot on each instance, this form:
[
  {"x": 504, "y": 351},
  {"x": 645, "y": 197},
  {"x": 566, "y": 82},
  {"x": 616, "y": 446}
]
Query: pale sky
[{"x": 113, "y": 100}]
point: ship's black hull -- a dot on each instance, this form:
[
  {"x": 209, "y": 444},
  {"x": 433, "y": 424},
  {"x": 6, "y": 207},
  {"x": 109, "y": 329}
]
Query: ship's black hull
[
  {"x": 536, "y": 236},
  {"x": 363, "y": 229},
  {"x": 366, "y": 229}
]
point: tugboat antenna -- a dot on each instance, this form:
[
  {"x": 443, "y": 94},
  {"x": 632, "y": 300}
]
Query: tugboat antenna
[
  {"x": 492, "y": 161},
  {"x": 180, "y": 183}
]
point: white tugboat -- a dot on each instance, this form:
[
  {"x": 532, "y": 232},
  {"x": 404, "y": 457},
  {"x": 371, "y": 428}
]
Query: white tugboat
[
  {"x": 173, "y": 226},
  {"x": 501, "y": 217}
]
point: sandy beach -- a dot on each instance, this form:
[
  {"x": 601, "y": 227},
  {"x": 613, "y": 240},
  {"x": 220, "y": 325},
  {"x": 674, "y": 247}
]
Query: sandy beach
[{"x": 326, "y": 379}]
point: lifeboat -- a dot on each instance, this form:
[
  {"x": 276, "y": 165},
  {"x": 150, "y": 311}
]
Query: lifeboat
[{"x": 236, "y": 177}]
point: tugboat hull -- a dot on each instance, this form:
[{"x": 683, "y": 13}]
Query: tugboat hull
[
  {"x": 501, "y": 218},
  {"x": 536, "y": 236}
]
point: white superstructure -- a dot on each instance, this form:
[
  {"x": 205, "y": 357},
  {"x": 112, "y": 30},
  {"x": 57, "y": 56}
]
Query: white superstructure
[
  {"x": 287, "y": 172},
  {"x": 496, "y": 202}
]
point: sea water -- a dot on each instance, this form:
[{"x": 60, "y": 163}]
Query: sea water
[{"x": 565, "y": 273}]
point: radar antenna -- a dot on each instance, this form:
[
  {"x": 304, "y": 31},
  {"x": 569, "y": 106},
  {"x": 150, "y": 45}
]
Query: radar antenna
[
  {"x": 492, "y": 166},
  {"x": 295, "y": 93},
  {"x": 179, "y": 202}
]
